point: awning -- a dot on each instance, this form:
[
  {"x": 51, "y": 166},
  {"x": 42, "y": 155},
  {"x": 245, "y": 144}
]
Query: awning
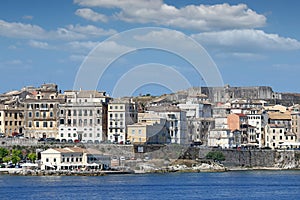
[
  {"x": 29, "y": 165},
  {"x": 49, "y": 165}
]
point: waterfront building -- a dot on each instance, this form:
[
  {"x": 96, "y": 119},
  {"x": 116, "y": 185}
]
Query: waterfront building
[
  {"x": 176, "y": 122},
  {"x": 71, "y": 158},
  {"x": 276, "y": 134},
  {"x": 222, "y": 138},
  {"x": 281, "y": 118},
  {"x": 83, "y": 116},
  {"x": 121, "y": 113},
  {"x": 150, "y": 129},
  {"x": 40, "y": 112},
  {"x": 11, "y": 120}
]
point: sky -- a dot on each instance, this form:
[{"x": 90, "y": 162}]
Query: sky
[{"x": 246, "y": 43}]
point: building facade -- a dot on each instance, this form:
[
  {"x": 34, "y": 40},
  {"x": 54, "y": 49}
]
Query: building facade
[
  {"x": 11, "y": 120},
  {"x": 83, "y": 116},
  {"x": 41, "y": 112},
  {"x": 120, "y": 114}
]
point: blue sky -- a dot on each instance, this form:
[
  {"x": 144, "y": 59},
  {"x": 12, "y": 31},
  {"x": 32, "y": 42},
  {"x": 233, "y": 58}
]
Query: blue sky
[{"x": 251, "y": 42}]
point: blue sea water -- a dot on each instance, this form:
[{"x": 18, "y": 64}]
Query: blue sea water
[{"x": 228, "y": 185}]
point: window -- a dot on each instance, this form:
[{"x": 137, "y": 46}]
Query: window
[
  {"x": 91, "y": 135},
  {"x": 51, "y": 105},
  {"x": 121, "y": 115},
  {"x": 280, "y": 137},
  {"x": 37, "y": 124},
  {"x": 91, "y": 113},
  {"x": 85, "y": 112},
  {"x": 47, "y": 159},
  {"x": 74, "y": 121},
  {"x": 85, "y": 122},
  {"x": 84, "y": 135},
  {"x": 98, "y": 134},
  {"x": 44, "y": 114},
  {"x": 63, "y": 159},
  {"x": 110, "y": 107},
  {"x": 54, "y": 159},
  {"x": 74, "y": 113},
  {"x": 69, "y": 134},
  {"x": 116, "y": 107},
  {"x": 140, "y": 131},
  {"x": 98, "y": 121},
  {"x": 98, "y": 112},
  {"x": 51, "y": 114},
  {"x": 51, "y": 124},
  {"x": 116, "y": 115},
  {"x": 74, "y": 134},
  {"x": 62, "y": 112},
  {"x": 37, "y": 114},
  {"x": 45, "y": 124},
  {"x": 132, "y": 132},
  {"x": 121, "y": 107},
  {"x": 110, "y": 115},
  {"x": 280, "y": 131},
  {"x": 80, "y": 112},
  {"x": 29, "y": 124},
  {"x": 61, "y": 135},
  {"x": 91, "y": 122},
  {"x": 273, "y": 130},
  {"x": 29, "y": 114},
  {"x": 274, "y": 137}
]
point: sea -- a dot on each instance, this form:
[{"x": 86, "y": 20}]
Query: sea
[{"x": 262, "y": 185}]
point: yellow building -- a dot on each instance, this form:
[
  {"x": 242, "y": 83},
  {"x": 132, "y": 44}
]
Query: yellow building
[
  {"x": 150, "y": 129},
  {"x": 11, "y": 120}
]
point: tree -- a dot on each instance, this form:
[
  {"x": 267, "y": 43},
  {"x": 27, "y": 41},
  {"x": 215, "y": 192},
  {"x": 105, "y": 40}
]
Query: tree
[
  {"x": 3, "y": 153},
  {"x": 32, "y": 157},
  {"x": 7, "y": 159},
  {"x": 216, "y": 156},
  {"x": 16, "y": 156}
]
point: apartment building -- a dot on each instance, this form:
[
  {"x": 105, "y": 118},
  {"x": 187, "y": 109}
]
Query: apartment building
[
  {"x": 121, "y": 113},
  {"x": 40, "y": 112},
  {"x": 275, "y": 135},
  {"x": 11, "y": 120},
  {"x": 176, "y": 122},
  {"x": 83, "y": 116}
]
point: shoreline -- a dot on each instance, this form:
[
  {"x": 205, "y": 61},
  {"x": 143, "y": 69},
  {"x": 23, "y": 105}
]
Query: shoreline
[{"x": 26, "y": 172}]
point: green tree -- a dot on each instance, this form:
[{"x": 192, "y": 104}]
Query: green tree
[
  {"x": 16, "y": 156},
  {"x": 7, "y": 159},
  {"x": 216, "y": 156},
  {"x": 3, "y": 153},
  {"x": 32, "y": 157}
]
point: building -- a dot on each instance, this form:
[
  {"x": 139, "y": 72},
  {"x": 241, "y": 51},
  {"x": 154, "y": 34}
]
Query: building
[
  {"x": 281, "y": 118},
  {"x": 40, "y": 112},
  {"x": 176, "y": 122},
  {"x": 83, "y": 116},
  {"x": 198, "y": 129},
  {"x": 71, "y": 158},
  {"x": 11, "y": 120},
  {"x": 235, "y": 121},
  {"x": 257, "y": 119},
  {"x": 295, "y": 120},
  {"x": 121, "y": 113},
  {"x": 220, "y": 138},
  {"x": 275, "y": 135}
]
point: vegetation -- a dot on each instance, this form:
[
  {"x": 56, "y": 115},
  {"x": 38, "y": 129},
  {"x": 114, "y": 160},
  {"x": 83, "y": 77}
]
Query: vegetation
[
  {"x": 3, "y": 153},
  {"x": 32, "y": 157},
  {"x": 216, "y": 156}
]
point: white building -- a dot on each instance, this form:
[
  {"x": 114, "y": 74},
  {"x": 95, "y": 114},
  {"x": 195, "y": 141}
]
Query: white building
[
  {"x": 220, "y": 138},
  {"x": 176, "y": 122},
  {"x": 121, "y": 112},
  {"x": 83, "y": 116},
  {"x": 275, "y": 135},
  {"x": 71, "y": 158}
]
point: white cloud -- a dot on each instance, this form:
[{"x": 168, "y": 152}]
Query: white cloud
[
  {"x": 70, "y": 32},
  {"x": 247, "y": 39},
  {"x": 20, "y": 30},
  {"x": 88, "y": 45},
  {"x": 91, "y": 30},
  {"x": 196, "y": 17},
  {"x": 89, "y": 14},
  {"x": 38, "y": 44}
]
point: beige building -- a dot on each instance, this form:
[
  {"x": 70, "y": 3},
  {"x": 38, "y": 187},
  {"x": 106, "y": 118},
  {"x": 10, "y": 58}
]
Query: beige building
[
  {"x": 41, "y": 110},
  {"x": 151, "y": 129},
  {"x": 275, "y": 135},
  {"x": 220, "y": 138},
  {"x": 11, "y": 120}
]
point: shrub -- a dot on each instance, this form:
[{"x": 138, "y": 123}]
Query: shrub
[{"x": 216, "y": 156}]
